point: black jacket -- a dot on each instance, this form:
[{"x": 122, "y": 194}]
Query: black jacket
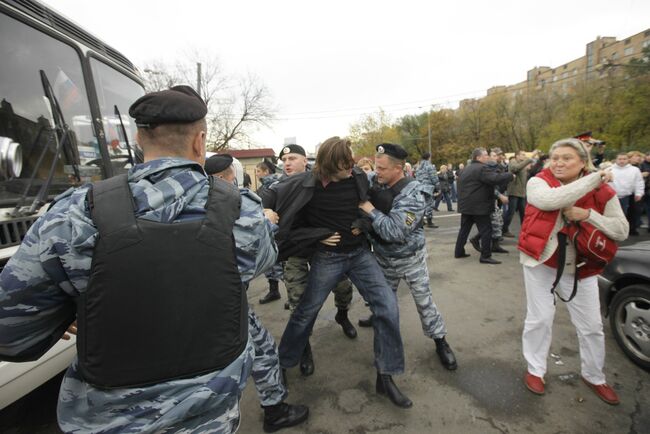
[
  {"x": 288, "y": 197},
  {"x": 476, "y": 188}
]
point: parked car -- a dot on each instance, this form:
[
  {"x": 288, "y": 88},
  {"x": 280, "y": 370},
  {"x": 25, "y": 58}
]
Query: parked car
[{"x": 625, "y": 298}]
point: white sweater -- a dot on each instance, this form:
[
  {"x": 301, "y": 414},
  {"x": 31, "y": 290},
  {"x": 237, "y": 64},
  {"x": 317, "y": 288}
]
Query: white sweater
[
  {"x": 627, "y": 181},
  {"x": 541, "y": 195}
]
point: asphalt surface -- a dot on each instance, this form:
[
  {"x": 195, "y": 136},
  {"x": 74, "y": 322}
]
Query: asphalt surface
[{"x": 484, "y": 308}]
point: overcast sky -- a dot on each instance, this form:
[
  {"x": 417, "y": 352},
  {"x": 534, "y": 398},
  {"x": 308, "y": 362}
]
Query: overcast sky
[{"x": 328, "y": 63}]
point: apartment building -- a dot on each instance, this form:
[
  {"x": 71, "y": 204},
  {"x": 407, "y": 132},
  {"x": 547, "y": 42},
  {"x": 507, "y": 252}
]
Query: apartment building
[{"x": 600, "y": 60}]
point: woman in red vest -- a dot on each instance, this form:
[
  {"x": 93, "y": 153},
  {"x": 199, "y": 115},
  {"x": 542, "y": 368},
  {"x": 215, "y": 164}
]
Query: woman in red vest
[{"x": 567, "y": 191}]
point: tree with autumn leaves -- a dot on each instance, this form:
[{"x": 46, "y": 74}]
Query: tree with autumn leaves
[{"x": 615, "y": 108}]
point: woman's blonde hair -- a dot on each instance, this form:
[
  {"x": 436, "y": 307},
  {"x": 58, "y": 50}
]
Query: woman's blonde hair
[
  {"x": 365, "y": 161},
  {"x": 579, "y": 147}
]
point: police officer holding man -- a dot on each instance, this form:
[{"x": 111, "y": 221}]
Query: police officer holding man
[
  {"x": 166, "y": 340},
  {"x": 296, "y": 267},
  {"x": 396, "y": 208}
]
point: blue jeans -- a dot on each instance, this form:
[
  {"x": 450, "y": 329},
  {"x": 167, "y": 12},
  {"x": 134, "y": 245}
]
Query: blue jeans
[
  {"x": 447, "y": 197},
  {"x": 515, "y": 203},
  {"x": 327, "y": 269}
]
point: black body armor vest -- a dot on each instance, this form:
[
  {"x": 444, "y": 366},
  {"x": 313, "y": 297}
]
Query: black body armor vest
[
  {"x": 382, "y": 198},
  {"x": 164, "y": 300}
]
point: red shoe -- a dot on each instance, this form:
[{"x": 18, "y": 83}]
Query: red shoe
[
  {"x": 604, "y": 392},
  {"x": 534, "y": 383}
]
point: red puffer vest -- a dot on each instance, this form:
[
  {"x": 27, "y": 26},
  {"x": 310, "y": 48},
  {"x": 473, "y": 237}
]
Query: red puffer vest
[{"x": 538, "y": 225}]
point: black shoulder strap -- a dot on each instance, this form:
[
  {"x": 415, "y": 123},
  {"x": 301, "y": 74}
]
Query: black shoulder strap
[
  {"x": 112, "y": 210},
  {"x": 222, "y": 207},
  {"x": 561, "y": 259},
  {"x": 399, "y": 185}
]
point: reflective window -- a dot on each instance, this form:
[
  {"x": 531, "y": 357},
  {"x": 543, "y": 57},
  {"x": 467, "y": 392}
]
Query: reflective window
[
  {"x": 26, "y": 115},
  {"x": 116, "y": 89}
]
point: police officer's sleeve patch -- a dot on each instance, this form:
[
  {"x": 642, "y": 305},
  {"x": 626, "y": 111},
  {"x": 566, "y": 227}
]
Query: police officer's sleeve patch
[{"x": 410, "y": 218}]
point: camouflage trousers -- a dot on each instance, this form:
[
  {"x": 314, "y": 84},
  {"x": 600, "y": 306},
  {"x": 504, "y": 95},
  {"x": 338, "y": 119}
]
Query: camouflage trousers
[
  {"x": 415, "y": 273},
  {"x": 275, "y": 273},
  {"x": 496, "y": 219},
  {"x": 266, "y": 363},
  {"x": 180, "y": 406},
  {"x": 296, "y": 271},
  {"x": 428, "y": 208}
]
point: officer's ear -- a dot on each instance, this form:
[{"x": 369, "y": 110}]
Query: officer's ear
[{"x": 198, "y": 147}]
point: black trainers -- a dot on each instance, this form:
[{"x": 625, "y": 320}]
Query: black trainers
[{"x": 284, "y": 415}]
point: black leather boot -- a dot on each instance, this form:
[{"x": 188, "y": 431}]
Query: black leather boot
[
  {"x": 476, "y": 242},
  {"x": 496, "y": 247},
  {"x": 386, "y": 386},
  {"x": 284, "y": 415},
  {"x": 366, "y": 322},
  {"x": 307, "y": 361},
  {"x": 283, "y": 378},
  {"x": 273, "y": 294},
  {"x": 342, "y": 319},
  {"x": 447, "y": 357}
]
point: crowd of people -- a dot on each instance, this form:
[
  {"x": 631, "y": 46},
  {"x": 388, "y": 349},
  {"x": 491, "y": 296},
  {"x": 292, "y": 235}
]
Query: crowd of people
[{"x": 169, "y": 348}]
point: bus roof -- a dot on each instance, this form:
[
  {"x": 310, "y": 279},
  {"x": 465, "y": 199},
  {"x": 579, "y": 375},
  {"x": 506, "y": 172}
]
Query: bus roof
[{"x": 55, "y": 20}]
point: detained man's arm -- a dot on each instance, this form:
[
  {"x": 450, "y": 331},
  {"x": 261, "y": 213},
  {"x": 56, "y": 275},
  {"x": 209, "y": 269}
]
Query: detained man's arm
[
  {"x": 254, "y": 243},
  {"x": 38, "y": 284}
]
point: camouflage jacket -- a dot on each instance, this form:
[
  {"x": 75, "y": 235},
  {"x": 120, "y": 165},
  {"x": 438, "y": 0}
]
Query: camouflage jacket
[
  {"x": 53, "y": 264},
  {"x": 427, "y": 173},
  {"x": 267, "y": 180},
  {"x": 400, "y": 232}
]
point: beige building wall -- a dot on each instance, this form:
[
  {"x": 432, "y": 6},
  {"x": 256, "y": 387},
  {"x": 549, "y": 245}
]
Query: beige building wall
[{"x": 600, "y": 60}]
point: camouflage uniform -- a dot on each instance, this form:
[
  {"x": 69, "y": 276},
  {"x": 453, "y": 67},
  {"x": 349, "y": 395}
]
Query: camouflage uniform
[
  {"x": 427, "y": 175},
  {"x": 53, "y": 265},
  {"x": 401, "y": 253},
  {"x": 496, "y": 219},
  {"x": 296, "y": 271},
  {"x": 275, "y": 273}
]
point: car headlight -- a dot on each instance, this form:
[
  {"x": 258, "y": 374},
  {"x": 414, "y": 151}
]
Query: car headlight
[{"x": 11, "y": 158}]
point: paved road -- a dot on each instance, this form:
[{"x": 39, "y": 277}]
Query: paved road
[{"x": 484, "y": 306}]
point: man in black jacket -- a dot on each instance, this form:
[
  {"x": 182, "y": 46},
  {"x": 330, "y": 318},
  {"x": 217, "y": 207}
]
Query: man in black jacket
[
  {"x": 476, "y": 202},
  {"x": 317, "y": 211}
]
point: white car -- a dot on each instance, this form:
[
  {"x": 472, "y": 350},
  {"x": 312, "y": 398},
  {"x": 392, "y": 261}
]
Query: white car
[{"x": 18, "y": 379}]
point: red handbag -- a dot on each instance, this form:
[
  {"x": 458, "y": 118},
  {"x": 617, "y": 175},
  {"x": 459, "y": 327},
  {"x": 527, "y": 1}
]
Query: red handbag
[{"x": 592, "y": 245}]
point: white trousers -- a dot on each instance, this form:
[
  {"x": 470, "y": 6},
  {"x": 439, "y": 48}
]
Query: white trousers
[{"x": 584, "y": 310}]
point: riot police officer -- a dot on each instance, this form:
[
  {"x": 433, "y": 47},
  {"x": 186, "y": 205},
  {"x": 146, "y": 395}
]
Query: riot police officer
[
  {"x": 397, "y": 208},
  {"x": 166, "y": 341}
]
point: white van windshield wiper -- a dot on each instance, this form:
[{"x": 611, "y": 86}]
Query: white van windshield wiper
[
  {"x": 126, "y": 138},
  {"x": 62, "y": 144}
]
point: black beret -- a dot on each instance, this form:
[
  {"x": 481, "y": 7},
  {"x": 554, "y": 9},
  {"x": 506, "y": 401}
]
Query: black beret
[
  {"x": 180, "y": 104},
  {"x": 395, "y": 151},
  {"x": 217, "y": 163},
  {"x": 292, "y": 149}
]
